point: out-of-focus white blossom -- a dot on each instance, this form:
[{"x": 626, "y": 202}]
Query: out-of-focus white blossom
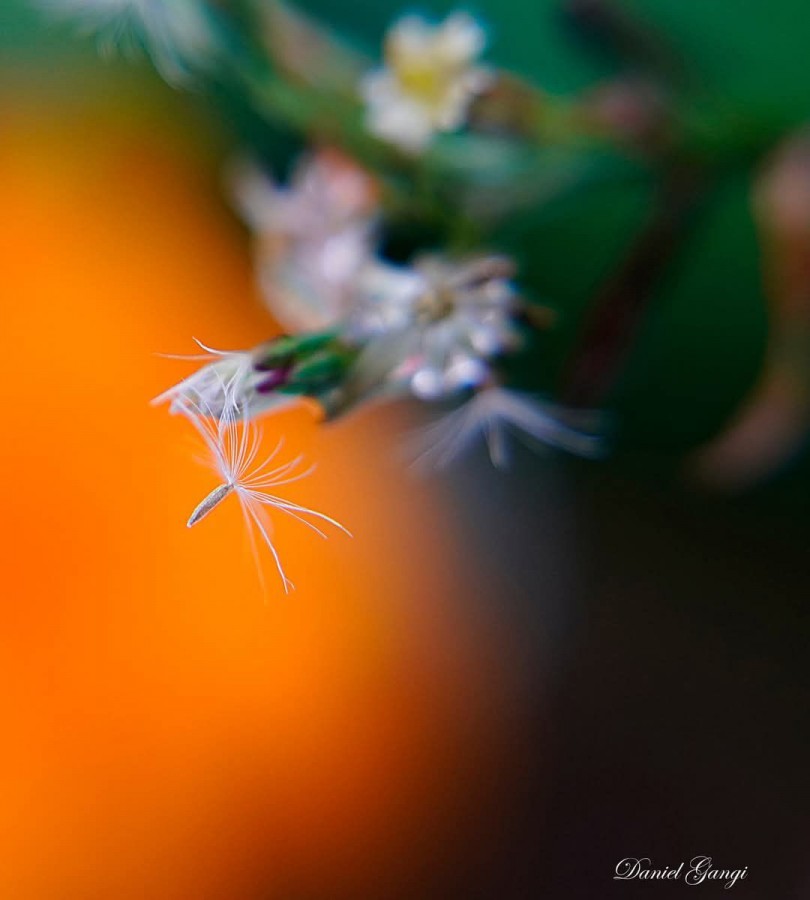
[
  {"x": 429, "y": 78},
  {"x": 176, "y": 33},
  {"x": 491, "y": 414},
  {"x": 312, "y": 238},
  {"x": 440, "y": 324}
]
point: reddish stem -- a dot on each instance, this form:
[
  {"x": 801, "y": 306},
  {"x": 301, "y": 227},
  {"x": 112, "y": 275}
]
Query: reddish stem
[{"x": 613, "y": 321}]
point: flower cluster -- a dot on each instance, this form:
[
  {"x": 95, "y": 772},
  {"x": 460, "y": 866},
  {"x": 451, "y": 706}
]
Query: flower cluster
[
  {"x": 440, "y": 320},
  {"x": 437, "y": 329}
]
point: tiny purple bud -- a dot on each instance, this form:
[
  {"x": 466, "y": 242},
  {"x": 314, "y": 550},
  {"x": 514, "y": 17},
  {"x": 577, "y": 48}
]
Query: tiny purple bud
[{"x": 276, "y": 378}]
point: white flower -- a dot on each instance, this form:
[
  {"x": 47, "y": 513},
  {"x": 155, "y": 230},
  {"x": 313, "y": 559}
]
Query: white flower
[
  {"x": 311, "y": 238},
  {"x": 494, "y": 412},
  {"x": 428, "y": 82},
  {"x": 176, "y": 33},
  {"x": 436, "y": 326},
  {"x": 230, "y": 379},
  {"x": 233, "y": 443}
]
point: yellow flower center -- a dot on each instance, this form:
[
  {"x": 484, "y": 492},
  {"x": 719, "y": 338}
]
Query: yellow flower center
[{"x": 425, "y": 76}]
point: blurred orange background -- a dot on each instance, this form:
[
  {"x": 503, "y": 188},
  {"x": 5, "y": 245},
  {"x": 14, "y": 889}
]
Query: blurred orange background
[{"x": 169, "y": 731}]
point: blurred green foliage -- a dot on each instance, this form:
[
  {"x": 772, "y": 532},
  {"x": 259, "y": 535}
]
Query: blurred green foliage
[{"x": 702, "y": 340}]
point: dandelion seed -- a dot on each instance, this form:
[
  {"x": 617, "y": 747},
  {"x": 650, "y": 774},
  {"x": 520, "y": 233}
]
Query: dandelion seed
[
  {"x": 494, "y": 412},
  {"x": 231, "y": 377},
  {"x": 233, "y": 443},
  {"x": 428, "y": 82}
]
